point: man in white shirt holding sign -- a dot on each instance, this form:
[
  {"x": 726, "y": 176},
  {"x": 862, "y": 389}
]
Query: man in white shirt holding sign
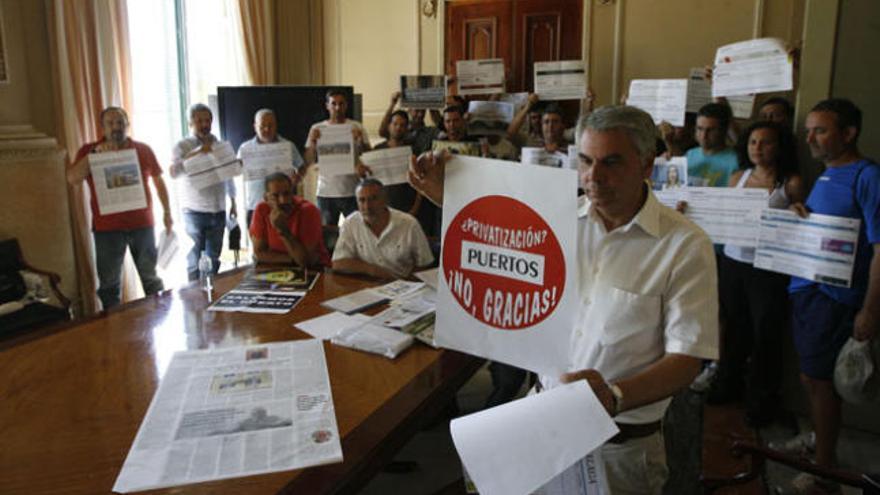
[
  {"x": 648, "y": 302},
  {"x": 336, "y": 192},
  {"x": 266, "y": 132},
  {"x": 204, "y": 210},
  {"x": 380, "y": 241}
]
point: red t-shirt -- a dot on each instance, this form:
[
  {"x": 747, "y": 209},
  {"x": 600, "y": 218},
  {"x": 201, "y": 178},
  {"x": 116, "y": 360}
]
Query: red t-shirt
[
  {"x": 304, "y": 224},
  {"x": 126, "y": 220}
]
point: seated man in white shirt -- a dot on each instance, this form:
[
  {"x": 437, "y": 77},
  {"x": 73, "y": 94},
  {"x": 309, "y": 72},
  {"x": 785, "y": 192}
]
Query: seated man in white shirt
[{"x": 380, "y": 241}]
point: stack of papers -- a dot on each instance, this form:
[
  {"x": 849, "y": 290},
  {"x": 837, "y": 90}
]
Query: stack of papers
[
  {"x": 326, "y": 326},
  {"x": 374, "y": 338},
  {"x": 366, "y": 298}
]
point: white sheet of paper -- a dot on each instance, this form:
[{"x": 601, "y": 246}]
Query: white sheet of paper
[
  {"x": 232, "y": 412},
  {"x": 364, "y": 298},
  {"x": 517, "y": 447},
  {"x": 370, "y": 337},
  {"x": 265, "y": 159},
  {"x": 429, "y": 277},
  {"x": 741, "y": 105},
  {"x": 118, "y": 182},
  {"x": 821, "y": 248},
  {"x": 729, "y": 215},
  {"x": 207, "y": 169},
  {"x": 699, "y": 90},
  {"x": 336, "y": 150},
  {"x": 560, "y": 80},
  {"x": 480, "y": 77},
  {"x": 540, "y": 156},
  {"x": 407, "y": 310},
  {"x": 664, "y": 99},
  {"x": 752, "y": 66},
  {"x": 423, "y": 91},
  {"x": 167, "y": 248},
  {"x": 489, "y": 117},
  {"x": 518, "y": 100},
  {"x": 507, "y": 263},
  {"x": 324, "y": 327},
  {"x": 389, "y": 165}
]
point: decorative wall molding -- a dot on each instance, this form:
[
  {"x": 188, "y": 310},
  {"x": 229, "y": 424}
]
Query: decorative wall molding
[{"x": 23, "y": 143}]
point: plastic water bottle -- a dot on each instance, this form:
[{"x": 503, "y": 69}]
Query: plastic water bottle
[{"x": 206, "y": 272}]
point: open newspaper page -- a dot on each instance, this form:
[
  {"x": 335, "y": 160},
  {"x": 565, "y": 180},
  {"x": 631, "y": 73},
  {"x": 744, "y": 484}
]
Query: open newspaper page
[
  {"x": 753, "y": 66},
  {"x": 336, "y": 150},
  {"x": 389, "y": 165},
  {"x": 206, "y": 169},
  {"x": 118, "y": 181},
  {"x": 423, "y": 91},
  {"x": 266, "y": 159},
  {"x": 664, "y": 99},
  {"x": 226, "y": 413},
  {"x": 480, "y": 77},
  {"x": 560, "y": 80}
]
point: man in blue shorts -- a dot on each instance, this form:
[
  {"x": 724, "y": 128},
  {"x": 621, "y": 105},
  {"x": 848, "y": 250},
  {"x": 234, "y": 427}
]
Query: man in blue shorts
[{"x": 824, "y": 316}]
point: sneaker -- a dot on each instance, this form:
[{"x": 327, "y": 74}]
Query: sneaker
[
  {"x": 801, "y": 445},
  {"x": 704, "y": 380},
  {"x": 808, "y": 484}
]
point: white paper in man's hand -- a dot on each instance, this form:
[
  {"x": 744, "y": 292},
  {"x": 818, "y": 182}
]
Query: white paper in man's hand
[{"x": 517, "y": 447}]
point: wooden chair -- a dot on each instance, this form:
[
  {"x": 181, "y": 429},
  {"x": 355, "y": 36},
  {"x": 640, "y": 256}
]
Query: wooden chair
[
  {"x": 759, "y": 455},
  {"x": 35, "y": 311}
]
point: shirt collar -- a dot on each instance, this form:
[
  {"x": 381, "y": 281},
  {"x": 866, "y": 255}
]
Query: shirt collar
[{"x": 647, "y": 218}]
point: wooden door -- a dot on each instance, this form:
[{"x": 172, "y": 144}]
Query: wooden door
[{"x": 519, "y": 31}]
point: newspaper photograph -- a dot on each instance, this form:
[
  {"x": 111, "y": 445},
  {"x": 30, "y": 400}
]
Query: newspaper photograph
[
  {"x": 753, "y": 66},
  {"x": 664, "y": 99},
  {"x": 336, "y": 150},
  {"x": 423, "y": 91},
  {"x": 560, "y": 80},
  {"x": 669, "y": 174},
  {"x": 480, "y": 77},
  {"x": 266, "y": 159},
  {"x": 821, "y": 248},
  {"x": 118, "y": 181},
  {"x": 489, "y": 118},
  {"x": 389, "y": 165},
  {"x": 207, "y": 169},
  {"x": 232, "y": 412},
  {"x": 542, "y": 157},
  {"x": 469, "y": 148}
]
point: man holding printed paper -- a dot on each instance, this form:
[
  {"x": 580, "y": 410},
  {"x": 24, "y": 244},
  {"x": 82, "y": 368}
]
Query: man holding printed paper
[
  {"x": 204, "y": 208},
  {"x": 131, "y": 222},
  {"x": 265, "y": 153},
  {"x": 824, "y": 316},
  {"x": 339, "y": 168},
  {"x": 648, "y": 304}
]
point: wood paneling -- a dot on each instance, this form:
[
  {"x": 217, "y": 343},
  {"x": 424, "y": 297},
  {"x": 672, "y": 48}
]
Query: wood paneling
[{"x": 478, "y": 29}]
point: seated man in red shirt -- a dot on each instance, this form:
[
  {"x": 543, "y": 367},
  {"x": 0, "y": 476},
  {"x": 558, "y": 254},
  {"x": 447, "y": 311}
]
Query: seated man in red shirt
[{"x": 287, "y": 228}]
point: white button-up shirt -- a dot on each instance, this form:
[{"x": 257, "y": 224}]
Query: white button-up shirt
[
  {"x": 400, "y": 248},
  {"x": 646, "y": 289}
]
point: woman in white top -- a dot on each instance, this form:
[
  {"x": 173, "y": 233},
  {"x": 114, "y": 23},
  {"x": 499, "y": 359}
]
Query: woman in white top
[{"x": 753, "y": 301}]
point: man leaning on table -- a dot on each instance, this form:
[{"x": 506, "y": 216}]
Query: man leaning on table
[
  {"x": 132, "y": 229},
  {"x": 286, "y": 228},
  {"x": 648, "y": 310},
  {"x": 380, "y": 241}
]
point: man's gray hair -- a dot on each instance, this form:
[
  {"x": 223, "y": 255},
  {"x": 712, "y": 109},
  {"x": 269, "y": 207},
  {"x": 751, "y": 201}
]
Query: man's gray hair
[
  {"x": 637, "y": 123},
  {"x": 370, "y": 181},
  {"x": 263, "y": 111},
  {"x": 199, "y": 107}
]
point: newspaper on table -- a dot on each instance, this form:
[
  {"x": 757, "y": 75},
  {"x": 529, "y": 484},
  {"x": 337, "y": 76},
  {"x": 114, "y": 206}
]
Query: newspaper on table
[
  {"x": 729, "y": 215},
  {"x": 389, "y": 165},
  {"x": 206, "y": 169},
  {"x": 754, "y": 66},
  {"x": 489, "y": 118},
  {"x": 821, "y": 248},
  {"x": 365, "y": 298},
  {"x": 253, "y": 301},
  {"x": 118, "y": 181},
  {"x": 408, "y": 310},
  {"x": 542, "y": 157},
  {"x": 336, "y": 150},
  {"x": 664, "y": 99},
  {"x": 524, "y": 445},
  {"x": 423, "y": 91},
  {"x": 266, "y": 159},
  {"x": 560, "y": 80},
  {"x": 231, "y": 412},
  {"x": 480, "y": 77}
]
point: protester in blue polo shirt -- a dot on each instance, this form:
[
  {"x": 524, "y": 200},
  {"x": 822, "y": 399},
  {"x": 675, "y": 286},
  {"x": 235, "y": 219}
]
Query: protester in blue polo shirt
[{"x": 825, "y": 316}]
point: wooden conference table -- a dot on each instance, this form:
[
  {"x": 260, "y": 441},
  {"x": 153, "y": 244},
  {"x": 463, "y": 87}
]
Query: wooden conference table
[{"x": 72, "y": 400}]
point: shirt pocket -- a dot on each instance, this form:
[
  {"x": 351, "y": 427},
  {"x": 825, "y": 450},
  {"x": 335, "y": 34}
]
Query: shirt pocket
[{"x": 630, "y": 318}]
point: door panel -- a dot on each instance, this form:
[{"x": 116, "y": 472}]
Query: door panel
[{"x": 477, "y": 30}]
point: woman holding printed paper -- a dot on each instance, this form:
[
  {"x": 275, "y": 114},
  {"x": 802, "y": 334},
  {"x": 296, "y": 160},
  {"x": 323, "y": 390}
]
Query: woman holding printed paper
[
  {"x": 122, "y": 214},
  {"x": 753, "y": 301}
]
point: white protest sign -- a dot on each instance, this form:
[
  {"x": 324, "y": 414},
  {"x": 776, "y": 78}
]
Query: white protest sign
[{"x": 507, "y": 289}]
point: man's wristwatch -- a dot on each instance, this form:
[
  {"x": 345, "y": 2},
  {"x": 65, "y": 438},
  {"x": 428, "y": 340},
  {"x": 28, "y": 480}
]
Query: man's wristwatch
[{"x": 618, "y": 398}]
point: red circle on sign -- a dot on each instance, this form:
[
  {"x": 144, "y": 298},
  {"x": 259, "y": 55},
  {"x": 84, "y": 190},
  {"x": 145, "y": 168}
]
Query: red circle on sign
[{"x": 503, "y": 264}]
